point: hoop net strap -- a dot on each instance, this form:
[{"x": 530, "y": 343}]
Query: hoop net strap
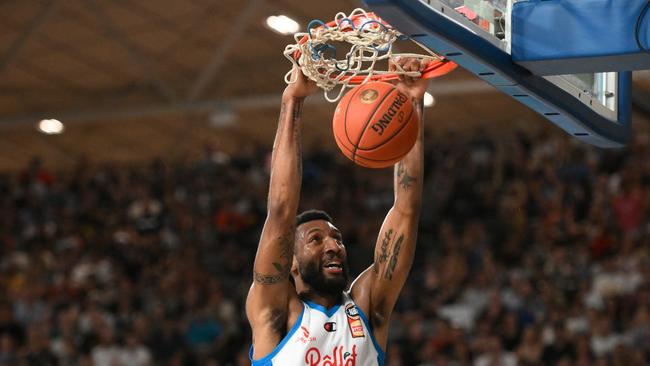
[{"x": 371, "y": 41}]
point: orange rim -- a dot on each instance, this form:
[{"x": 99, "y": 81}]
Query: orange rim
[{"x": 433, "y": 70}]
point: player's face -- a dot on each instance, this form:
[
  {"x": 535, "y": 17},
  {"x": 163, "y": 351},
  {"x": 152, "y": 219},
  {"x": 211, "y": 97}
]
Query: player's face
[{"x": 321, "y": 257}]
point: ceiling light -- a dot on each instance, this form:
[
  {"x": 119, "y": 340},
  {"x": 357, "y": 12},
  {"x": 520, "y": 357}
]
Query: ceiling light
[
  {"x": 50, "y": 126},
  {"x": 282, "y": 24},
  {"x": 429, "y": 100}
]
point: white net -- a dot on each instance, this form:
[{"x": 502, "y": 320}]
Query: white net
[{"x": 371, "y": 43}]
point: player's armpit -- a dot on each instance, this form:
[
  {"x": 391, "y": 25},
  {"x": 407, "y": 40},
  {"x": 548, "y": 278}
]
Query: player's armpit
[{"x": 268, "y": 323}]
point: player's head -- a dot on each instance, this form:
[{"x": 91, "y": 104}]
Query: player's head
[{"x": 320, "y": 258}]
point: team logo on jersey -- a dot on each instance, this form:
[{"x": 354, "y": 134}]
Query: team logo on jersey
[
  {"x": 313, "y": 357},
  {"x": 351, "y": 310},
  {"x": 354, "y": 321},
  {"x": 330, "y": 326}
]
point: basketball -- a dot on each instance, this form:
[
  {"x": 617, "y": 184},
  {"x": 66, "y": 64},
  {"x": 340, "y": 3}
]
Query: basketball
[{"x": 375, "y": 125}]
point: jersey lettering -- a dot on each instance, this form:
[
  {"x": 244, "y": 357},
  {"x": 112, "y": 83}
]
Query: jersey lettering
[{"x": 337, "y": 358}]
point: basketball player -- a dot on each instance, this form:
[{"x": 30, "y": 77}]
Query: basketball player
[{"x": 299, "y": 306}]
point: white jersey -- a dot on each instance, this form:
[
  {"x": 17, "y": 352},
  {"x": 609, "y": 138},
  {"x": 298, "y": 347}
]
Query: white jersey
[{"x": 339, "y": 336}]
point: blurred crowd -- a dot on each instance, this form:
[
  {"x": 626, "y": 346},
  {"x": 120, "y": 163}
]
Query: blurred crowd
[{"x": 534, "y": 249}]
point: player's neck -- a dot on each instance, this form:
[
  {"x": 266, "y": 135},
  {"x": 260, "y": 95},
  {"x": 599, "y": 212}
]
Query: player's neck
[{"x": 326, "y": 300}]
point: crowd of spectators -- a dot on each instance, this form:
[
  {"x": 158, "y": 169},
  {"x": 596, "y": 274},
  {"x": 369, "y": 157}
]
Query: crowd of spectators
[{"x": 533, "y": 249}]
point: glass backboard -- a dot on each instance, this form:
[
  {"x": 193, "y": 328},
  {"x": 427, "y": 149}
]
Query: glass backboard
[
  {"x": 493, "y": 17},
  {"x": 477, "y": 35}
]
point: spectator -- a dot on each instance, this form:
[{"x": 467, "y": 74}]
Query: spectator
[
  {"x": 533, "y": 250},
  {"x": 134, "y": 353}
]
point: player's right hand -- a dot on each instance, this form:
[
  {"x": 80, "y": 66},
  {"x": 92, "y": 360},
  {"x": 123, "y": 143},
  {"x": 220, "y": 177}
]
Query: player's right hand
[
  {"x": 302, "y": 87},
  {"x": 414, "y": 86}
]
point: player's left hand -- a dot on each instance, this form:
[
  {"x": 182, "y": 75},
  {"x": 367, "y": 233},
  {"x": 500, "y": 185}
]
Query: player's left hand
[
  {"x": 301, "y": 87},
  {"x": 414, "y": 86}
]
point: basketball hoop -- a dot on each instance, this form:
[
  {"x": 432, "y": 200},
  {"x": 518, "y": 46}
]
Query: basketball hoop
[{"x": 371, "y": 42}]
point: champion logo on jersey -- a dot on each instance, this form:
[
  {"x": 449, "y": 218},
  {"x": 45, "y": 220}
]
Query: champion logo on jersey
[
  {"x": 338, "y": 357},
  {"x": 330, "y": 326},
  {"x": 354, "y": 321}
]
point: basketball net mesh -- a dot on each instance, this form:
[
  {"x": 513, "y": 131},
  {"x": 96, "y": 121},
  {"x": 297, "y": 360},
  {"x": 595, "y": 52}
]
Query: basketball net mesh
[{"x": 371, "y": 42}]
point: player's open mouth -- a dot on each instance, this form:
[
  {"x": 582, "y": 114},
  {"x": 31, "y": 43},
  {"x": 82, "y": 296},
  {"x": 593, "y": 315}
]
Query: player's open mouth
[{"x": 333, "y": 267}]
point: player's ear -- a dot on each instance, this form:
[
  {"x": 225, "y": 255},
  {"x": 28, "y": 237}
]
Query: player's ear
[{"x": 294, "y": 266}]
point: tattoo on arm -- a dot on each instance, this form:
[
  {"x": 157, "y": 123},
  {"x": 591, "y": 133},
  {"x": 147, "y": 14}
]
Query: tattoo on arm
[
  {"x": 383, "y": 251},
  {"x": 297, "y": 110},
  {"x": 390, "y": 268},
  {"x": 297, "y": 114},
  {"x": 404, "y": 179},
  {"x": 283, "y": 269},
  {"x": 383, "y": 256},
  {"x": 385, "y": 259},
  {"x": 264, "y": 279},
  {"x": 286, "y": 246}
]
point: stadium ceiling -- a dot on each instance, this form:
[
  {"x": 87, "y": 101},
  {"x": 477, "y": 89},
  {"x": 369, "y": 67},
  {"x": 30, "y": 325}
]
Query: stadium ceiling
[
  {"x": 162, "y": 61},
  {"x": 95, "y": 59}
]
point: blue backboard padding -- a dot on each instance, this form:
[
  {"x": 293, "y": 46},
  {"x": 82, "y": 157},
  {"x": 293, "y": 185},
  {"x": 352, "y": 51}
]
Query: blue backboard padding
[
  {"x": 471, "y": 64},
  {"x": 488, "y": 61},
  {"x": 625, "y": 98},
  {"x": 595, "y": 35},
  {"x": 644, "y": 31}
]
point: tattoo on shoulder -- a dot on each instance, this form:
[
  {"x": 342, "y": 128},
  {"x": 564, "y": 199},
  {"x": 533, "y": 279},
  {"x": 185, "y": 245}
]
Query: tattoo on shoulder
[{"x": 404, "y": 179}]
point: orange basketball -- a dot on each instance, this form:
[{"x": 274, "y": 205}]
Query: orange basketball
[{"x": 375, "y": 124}]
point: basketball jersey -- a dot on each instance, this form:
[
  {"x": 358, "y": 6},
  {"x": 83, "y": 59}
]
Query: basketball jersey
[{"x": 339, "y": 336}]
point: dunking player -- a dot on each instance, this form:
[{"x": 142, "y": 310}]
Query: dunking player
[{"x": 299, "y": 306}]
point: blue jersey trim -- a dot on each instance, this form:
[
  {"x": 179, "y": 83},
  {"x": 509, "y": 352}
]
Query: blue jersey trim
[
  {"x": 268, "y": 359},
  {"x": 323, "y": 309},
  {"x": 380, "y": 352}
]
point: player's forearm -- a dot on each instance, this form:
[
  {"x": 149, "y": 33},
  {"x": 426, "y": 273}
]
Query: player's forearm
[
  {"x": 286, "y": 163},
  {"x": 274, "y": 253},
  {"x": 409, "y": 172}
]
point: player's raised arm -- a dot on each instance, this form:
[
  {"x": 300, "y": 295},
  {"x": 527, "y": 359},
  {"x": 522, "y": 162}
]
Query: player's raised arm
[
  {"x": 395, "y": 247},
  {"x": 268, "y": 296}
]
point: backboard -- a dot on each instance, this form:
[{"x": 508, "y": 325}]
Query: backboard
[{"x": 476, "y": 34}]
